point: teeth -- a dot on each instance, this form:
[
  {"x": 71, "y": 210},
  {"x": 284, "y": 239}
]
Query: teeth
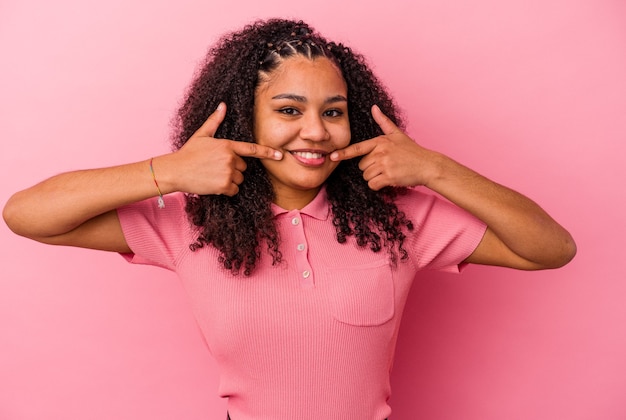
[{"x": 308, "y": 155}]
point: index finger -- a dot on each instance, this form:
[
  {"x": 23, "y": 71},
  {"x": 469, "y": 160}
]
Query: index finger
[
  {"x": 353, "y": 150},
  {"x": 243, "y": 148}
]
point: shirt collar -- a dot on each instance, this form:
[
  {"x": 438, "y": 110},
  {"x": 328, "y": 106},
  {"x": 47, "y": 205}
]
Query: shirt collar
[{"x": 318, "y": 208}]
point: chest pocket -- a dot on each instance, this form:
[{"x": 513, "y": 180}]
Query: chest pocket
[{"x": 361, "y": 295}]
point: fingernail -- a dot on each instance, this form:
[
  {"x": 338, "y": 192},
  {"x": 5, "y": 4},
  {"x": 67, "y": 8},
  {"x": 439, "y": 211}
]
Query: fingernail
[
  {"x": 278, "y": 155},
  {"x": 334, "y": 156},
  {"x": 220, "y": 106}
]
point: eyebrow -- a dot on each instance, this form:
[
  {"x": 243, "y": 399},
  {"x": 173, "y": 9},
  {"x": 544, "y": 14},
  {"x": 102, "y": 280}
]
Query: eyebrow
[{"x": 299, "y": 98}]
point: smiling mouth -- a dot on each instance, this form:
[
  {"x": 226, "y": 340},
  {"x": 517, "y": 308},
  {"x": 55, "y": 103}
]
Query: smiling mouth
[{"x": 309, "y": 155}]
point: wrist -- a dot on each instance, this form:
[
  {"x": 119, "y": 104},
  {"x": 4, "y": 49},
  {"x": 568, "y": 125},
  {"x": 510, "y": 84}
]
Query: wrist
[
  {"x": 435, "y": 169},
  {"x": 160, "y": 201},
  {"x": 160, "y": 170}
]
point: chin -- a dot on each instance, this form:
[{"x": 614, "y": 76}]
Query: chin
[{"x": 308, "y": 185}]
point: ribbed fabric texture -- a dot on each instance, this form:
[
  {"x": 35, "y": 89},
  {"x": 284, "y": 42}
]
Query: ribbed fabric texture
[{"x": 313, "y": 337}]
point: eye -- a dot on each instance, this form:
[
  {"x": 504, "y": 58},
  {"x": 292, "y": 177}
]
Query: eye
[
  {"x": 289, "y": 111},
  {"x": 333, "y": 113}
]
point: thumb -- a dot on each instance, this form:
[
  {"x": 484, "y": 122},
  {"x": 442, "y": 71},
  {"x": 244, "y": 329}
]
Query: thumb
[
  {"x": 383, "y": 121},
  {"x": 210, "y": 126}
]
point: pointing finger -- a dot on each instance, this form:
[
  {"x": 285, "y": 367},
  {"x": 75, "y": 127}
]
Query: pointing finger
[
  {"x": 255, "y": 150},
  {"x": 354, "y": 150},
  {"x": 383, "y": 121}
]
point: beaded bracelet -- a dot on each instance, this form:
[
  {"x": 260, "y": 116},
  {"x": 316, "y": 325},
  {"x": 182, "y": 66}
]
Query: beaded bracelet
[{"x": 160, "y": 201}]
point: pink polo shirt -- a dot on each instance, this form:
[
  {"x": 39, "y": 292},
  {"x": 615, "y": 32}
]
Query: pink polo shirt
[{"x": 313, "y": 337}]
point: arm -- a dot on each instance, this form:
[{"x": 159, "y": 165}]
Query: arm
[
  {"x": 79, "y": 208},
  {"x": 519, "y": 235}
]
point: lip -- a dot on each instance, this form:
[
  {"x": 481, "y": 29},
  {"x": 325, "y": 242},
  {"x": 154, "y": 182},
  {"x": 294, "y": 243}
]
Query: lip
[{"x": 309, "y": 157}]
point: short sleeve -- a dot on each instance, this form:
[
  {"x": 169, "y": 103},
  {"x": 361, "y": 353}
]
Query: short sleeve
[
  {"x": 156, "y": 236},
  {"x": 444, "y": 234}
]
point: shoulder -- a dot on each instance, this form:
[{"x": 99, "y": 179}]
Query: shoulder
[
  {"x": 420, "y": 203},
  {"x": 438, "y": 219},
  {"x": 157, "y": 236},
  {"x": 147, "y": 215},
  {"x": 149, "y": 208}
]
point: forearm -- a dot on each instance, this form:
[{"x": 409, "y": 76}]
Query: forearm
[
  {"x": 520, "y": 234},
  {"x": 522, "y": 225},
  {"x": 63, "y": 202}
]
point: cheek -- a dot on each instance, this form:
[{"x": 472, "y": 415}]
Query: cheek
[
  {"x": 333, "y": 166},
  {"x": 343, "y": 138},
  {"x": 271, "y": 134},
  {"x": 271, "y": 166}
]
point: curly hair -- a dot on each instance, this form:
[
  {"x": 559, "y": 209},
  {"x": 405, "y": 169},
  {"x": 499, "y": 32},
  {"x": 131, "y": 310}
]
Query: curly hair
[{"x": 240, "y": 226}]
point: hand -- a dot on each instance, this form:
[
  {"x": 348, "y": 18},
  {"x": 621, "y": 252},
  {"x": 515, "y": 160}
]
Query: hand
[
  {"x": 206, "y": 165},
  {"x": 392, "y": 159}
]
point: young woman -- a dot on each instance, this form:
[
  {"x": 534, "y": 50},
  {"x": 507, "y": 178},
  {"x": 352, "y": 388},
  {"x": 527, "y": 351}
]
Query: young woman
[{"x": 289, "y": 216}]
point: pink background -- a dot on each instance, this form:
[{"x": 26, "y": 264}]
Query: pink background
[{"x": 530, "y": 93}]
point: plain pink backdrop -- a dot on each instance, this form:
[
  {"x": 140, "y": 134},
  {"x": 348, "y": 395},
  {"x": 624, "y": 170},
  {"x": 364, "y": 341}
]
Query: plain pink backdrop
[{"x": 529, "y": 93}]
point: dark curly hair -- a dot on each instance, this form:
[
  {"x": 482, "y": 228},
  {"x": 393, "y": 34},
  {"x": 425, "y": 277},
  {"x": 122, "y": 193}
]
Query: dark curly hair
[{"x": 239, "y": 226}]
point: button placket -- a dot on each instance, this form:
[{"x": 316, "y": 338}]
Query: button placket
[{"x": 304, "y": 269}]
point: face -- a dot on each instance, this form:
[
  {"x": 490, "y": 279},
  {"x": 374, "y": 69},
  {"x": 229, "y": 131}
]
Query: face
[{"x": 301, "y": 109}]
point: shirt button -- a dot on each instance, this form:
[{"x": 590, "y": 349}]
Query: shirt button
[
  {"x": 300, "y": 247},
  {"x": 306, "y": 274},
  {"x": 295, "y": 221}
]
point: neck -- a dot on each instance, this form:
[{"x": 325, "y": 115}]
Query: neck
[{"x": 294, "y": 199}]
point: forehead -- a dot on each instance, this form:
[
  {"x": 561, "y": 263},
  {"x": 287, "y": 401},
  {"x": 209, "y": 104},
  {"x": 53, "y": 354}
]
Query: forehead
[{"x": 300, "y": 74}]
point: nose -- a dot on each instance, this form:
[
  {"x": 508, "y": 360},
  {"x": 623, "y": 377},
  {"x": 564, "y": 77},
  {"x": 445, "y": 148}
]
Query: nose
[{"x": 314, "y": 129}]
